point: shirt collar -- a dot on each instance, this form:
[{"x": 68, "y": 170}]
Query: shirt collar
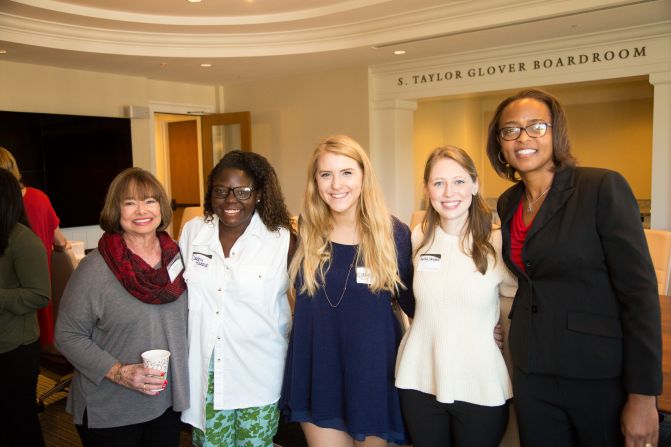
[{"x": 208, "y": 234}]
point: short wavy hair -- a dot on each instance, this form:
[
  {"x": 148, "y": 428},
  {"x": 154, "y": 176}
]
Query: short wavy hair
[
  {"x": 561, "y": 146},
  {"x": 271, "y": 208},
  {"x": 138, "y": 184}
]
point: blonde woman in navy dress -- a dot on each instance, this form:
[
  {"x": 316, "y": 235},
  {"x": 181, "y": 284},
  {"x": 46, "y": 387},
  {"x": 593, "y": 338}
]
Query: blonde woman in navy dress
[{"x": 352, "y": 262}]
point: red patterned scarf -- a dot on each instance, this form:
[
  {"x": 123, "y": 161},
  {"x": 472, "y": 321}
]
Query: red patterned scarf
[{"x": 149, "y": 285}]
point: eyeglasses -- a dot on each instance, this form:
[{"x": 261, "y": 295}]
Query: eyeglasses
[
  {"x": 240, "y": 192},
  {"x": 535, "y": 130}
]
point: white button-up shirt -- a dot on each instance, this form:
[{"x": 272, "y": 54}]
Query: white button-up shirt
[{"x": 239, "y": 315}]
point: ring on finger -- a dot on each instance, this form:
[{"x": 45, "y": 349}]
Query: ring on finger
[
  {"x": 144, "y": 388},
  {"x": 647, "y": 444}
]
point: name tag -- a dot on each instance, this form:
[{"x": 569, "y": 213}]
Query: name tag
[
  {"x": 201, "y": 259},
  {"x": 175, "y": 267},
  {"x": 429, "y": 263},
  {"x": 363, "y": 275}
]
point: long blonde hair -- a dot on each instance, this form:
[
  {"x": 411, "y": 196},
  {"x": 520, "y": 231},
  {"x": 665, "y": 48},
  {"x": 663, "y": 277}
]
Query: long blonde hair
[
  {"x": 478, "y": 229},
  {"x": 377, "y": 250}
]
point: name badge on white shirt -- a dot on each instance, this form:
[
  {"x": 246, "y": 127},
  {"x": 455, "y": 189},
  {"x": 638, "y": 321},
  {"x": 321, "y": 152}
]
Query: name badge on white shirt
[
  {"x": 201, "y": 259},
  {"x": 175, "y": 267},
  {"x": 429, "y": 263},
  {"x": 364, "y": 275}
]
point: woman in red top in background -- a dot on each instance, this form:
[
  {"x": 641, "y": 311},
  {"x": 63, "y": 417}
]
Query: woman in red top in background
[{"x": 44, "y": 223}]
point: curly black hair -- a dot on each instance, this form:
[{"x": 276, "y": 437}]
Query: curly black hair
[{"x": 272, "y": 209}]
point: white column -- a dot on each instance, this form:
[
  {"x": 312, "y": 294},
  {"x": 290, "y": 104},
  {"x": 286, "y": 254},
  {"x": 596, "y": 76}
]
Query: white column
[
  {"x": 660, "y": 206},
  {"x": 391, "y": 153}
]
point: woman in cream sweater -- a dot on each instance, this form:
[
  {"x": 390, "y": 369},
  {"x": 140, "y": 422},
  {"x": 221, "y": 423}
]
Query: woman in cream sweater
[{"x": 453, "y": 379}]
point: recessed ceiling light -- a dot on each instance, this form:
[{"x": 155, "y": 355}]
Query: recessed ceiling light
[
  {"x": 399, "y": 52},
  {"x": 206, "y": 65},
  {"x": 163, "y": 64},
  {"x": 194, "y": 1},
  {"x": 3, "y": 51}
]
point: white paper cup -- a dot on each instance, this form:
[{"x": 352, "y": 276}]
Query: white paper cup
[{"x": 156, "y": 359}]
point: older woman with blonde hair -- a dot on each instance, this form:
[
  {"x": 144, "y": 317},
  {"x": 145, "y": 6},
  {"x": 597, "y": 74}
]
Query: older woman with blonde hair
[
  {"x": 127, "y": 297},
  {"x": 352, "y": 264}
]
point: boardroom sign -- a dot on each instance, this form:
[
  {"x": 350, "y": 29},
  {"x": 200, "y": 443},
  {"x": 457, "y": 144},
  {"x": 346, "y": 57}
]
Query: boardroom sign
[
  {"x": 521, "y": 66},
  {"x": 531, "y": 64}
]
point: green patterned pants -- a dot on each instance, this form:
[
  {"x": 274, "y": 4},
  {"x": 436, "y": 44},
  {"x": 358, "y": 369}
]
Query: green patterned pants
[{"x": 246, "y": 427}]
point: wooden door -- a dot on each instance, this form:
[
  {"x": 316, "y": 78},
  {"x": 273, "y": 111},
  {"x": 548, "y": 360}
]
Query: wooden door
[
  {"x": 224, "y": 132},
  {"x": 184, "y": 178}
]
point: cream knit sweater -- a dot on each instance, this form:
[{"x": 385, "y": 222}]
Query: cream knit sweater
[{"x": 449, "y": 350}]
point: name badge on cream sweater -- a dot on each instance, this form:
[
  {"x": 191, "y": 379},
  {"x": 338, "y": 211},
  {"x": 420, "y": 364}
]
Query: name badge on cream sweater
[{"x": 429, "y": 263}]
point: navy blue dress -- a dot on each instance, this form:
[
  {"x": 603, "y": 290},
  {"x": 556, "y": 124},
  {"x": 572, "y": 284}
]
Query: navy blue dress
[{"x": 340, "y": 364}]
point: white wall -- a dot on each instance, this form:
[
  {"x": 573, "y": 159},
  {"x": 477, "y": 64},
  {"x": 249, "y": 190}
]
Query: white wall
[{"x": 291, "y": 115}]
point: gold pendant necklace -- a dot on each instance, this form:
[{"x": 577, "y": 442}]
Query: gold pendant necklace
[
  {"x": 531, "y": 202},
  {"x": 344, "y": 289}
]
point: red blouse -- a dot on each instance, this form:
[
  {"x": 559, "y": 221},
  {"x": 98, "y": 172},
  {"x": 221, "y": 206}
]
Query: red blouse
[{"x": 518, "y": 234}]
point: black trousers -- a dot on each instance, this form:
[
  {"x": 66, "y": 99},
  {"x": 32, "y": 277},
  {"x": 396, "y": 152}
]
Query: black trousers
[
  {"x": 460, "y": 424},
  {"x": 162, "y": 431},
  {"x": 555, "y": 411},
  {"x": 19, "y": 423}
]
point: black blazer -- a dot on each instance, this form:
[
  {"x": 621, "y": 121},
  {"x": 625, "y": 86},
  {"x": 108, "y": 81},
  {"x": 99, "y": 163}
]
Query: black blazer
[{"x": 587, "y": 306}]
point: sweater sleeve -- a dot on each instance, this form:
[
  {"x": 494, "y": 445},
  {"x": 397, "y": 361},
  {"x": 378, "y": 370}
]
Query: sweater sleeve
[
  {"x": 32, "y": 272},
  {"x": 80, "y": 308},
  {"x": 633, "y": 279}
]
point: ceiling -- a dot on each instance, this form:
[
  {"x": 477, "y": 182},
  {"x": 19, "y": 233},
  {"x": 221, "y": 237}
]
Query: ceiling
[{"x": 259, "y": 39}]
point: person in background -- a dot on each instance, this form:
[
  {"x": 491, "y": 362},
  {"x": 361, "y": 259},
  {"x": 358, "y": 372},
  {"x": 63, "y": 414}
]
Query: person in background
[
  {"x": 585, "y": 335},
  {"x": 124, "y": 298},
  {"x": 44, "y": 223},
  {"x": 24, "y": 288},
  {"x": 239, "y": 316},
  {"x": 352, "y": 263},
  {"x": 453, "y": 380}
]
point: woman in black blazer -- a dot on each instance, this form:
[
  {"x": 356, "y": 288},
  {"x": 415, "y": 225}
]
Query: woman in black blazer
[{"x": 585, "y": 334}]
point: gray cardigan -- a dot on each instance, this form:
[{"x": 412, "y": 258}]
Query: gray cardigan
[{"x": 100, "y": 323}]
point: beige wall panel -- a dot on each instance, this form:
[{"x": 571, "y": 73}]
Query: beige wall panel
[
  {"x": 615, "y": 135},
  {"x": 605, "y": 132},
  {"x": 291, "y": 115}
]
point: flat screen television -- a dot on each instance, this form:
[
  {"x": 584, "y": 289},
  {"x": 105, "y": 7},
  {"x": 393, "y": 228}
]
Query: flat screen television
[{"x": 71, "y": 158}]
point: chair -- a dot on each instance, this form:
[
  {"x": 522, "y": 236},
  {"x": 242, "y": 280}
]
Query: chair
[
  {"x": 52, "y": 363},
  {"x": 189, "y": 213},
  {"x": 659, "y": 243}
]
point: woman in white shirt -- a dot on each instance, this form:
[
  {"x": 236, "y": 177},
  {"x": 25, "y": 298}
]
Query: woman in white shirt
[
  {"x": 453, "y": 380},
  {"x": 239, "y": 315}
]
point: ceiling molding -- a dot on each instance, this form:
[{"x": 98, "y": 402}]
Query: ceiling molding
[
  {"x": 415, "y": 25},
  {"x": 123, "y": 16},
  {"x": 658, "y": 31}
]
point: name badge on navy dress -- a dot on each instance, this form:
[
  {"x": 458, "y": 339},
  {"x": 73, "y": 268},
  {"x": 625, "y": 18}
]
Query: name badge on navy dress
[
  {"x": 429, "y": 263},
  {"x": 364, "y": 276}
]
